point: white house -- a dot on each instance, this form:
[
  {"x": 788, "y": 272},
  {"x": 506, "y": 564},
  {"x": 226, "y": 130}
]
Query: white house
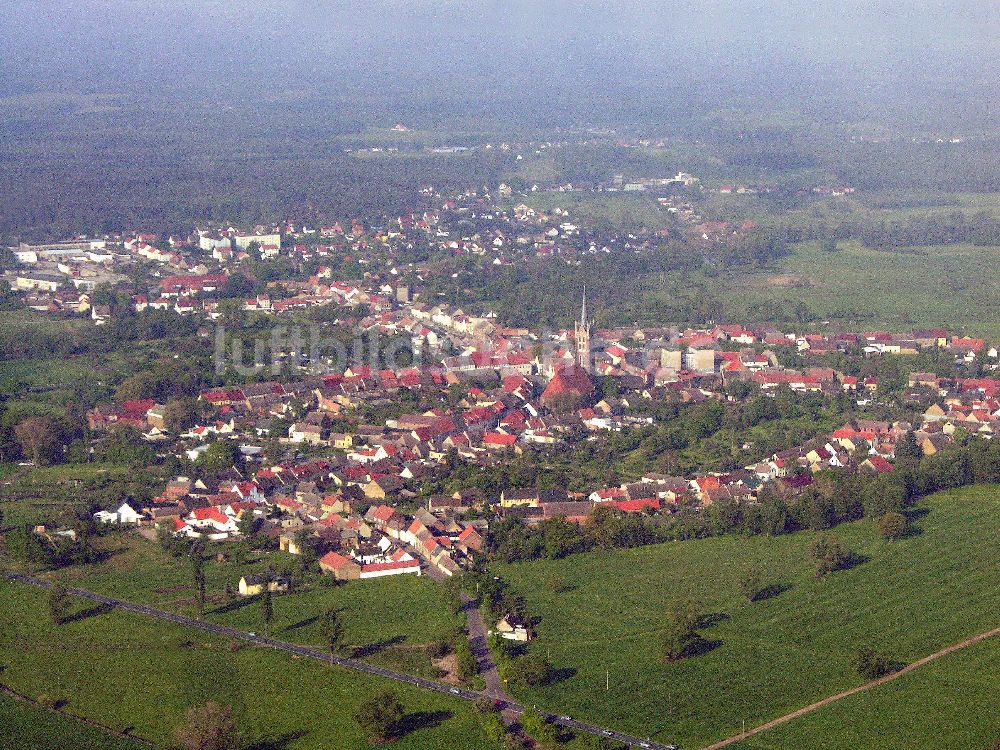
[{"x": 126, "y": 515}]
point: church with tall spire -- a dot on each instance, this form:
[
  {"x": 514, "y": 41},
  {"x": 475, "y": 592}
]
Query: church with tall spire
[
  {"x": 581, "y": 334},
  {"x": 571, "y": 385}
]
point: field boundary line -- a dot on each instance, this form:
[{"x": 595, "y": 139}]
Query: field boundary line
[
  {"x": 853, "y": 691},
  {"x": 70, "y": 716}
]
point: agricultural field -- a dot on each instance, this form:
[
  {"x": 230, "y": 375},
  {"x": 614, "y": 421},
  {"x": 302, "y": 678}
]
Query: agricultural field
[
  {"x": 132, "y": 672},
  {"x": 389, "y": 621},
  {"x": 906, "y": 599},
  {"x": 27, "y": 726},
  {"x": 942, "y": 285},
  {"x": 48, "y": 385},
  {"x": 950, "y": 703}
]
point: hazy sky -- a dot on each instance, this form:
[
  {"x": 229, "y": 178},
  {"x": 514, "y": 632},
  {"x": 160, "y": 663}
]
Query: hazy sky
[{"x": 376, "y": 47}]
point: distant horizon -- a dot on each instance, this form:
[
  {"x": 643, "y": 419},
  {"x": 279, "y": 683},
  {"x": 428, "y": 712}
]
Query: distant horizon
[{"x": 531, "y": 64}]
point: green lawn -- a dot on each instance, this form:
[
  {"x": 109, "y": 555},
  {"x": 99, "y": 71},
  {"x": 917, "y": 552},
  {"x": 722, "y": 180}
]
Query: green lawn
[
  {"x": 908, "y": 599},
  {"x": 391, "y": 618},
  {"x": 25, "y": 726},
  {"x": 129, "y": 671}
]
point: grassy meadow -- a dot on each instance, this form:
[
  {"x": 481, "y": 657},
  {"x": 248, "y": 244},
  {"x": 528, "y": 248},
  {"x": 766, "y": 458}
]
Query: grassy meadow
[
  {"x": 27, "y": 726},
  {"x": 388, "y": 620},
  {"x": 908, "y": 599},
  {"x": 951, "y": 703},
  {"x": 951, "y": 286},
  {"x": 39, "y": 493},
  {"x": 127, "y": 671}
]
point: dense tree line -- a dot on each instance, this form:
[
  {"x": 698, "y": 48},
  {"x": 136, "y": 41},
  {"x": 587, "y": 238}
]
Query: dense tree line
[
  {"x": 834, "y": 497},
  {"x": 950, "y": 228}
]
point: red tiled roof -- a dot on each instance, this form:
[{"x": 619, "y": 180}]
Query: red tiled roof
[
  {"x": 636, "y": 506},
  {"x": 571, "y": 380},
  {"x": 334, "y": 560},
  {"x": 401, "y": 565}
]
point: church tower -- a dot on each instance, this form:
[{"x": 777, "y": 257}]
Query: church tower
[{"x": 581, "y": 331}]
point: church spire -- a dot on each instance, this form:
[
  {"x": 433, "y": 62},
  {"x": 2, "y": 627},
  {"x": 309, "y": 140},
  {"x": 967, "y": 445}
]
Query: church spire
[{"x": 581, "y": 329}]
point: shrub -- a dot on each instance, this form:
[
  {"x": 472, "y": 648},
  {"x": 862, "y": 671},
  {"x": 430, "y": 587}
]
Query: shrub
[
  {"x": 531, "y": 671},
  {"x": 830, "y": 554},
  {"x": 751, "y": 583},
  {"x": 871, "y": 665},
  {"x": 209, "y": 727},
  {"x": 468, "y": 666},
  {"x": 893, "y": 526},
  {"x": 438, "y": 649}
]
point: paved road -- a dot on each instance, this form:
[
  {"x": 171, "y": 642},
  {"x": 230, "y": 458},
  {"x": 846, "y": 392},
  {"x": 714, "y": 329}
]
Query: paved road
[
  {"x": 312, "y": 653},
  {"x": 487, "y": 667},
  {"x": 481, "y": 650}
]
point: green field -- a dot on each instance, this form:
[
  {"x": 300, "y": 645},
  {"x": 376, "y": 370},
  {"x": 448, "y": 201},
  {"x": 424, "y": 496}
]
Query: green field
[
  {"x": 943, "y": 285},
  {"x": 617, "y": 209},
  {"x": 909, "y": 599},
  {"x": 390, "y": 620},
  {"x": 26, "y": 726},
  {"x": 951, "y": 703},
  {"x": 127, "y": 671}
]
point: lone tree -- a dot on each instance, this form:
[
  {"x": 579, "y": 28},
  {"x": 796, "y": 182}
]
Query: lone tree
[
  {"x": 218, "y": 457},
  {"x": 307, "y": 553},
  {"x": 332, "y": 630},
  {"x": 25, "y": 545},
  {"x": 908, "y": 448},
  {"x": 198, "y": 570},
  {"x": 680, "y": 633},
  {"x": 179, "y": 414},
  {"x": 380, "y": 715},
  {"x": 247, "y": 524},
  {"x": 267, "y": 604},
  {"x": 58, "y": 604},
  {"x": 751, "y": 583},
  {"x": 829, "y": 554},
  {"x": 39, "y": 439},
  {"x": 893, "y": 526},
  {"x": 209, "y": 727}
]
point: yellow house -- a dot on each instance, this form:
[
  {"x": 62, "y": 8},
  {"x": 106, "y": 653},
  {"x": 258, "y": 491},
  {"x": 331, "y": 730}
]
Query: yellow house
[
  {"x": 287, "y": 543},
  {"x": 934, "y": 411},
  {"x": 342, "y": 441},
  {"x": 383, "y": 487},
  {"x": 847, "y": 444},
  {"x": 254, "y": 584},
  {"x": 518, "y": 499},
  {"x": 531, "y": 498}
]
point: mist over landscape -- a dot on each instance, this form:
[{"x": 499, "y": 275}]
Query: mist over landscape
[
  {"x": 613, "y": 62},
  {"x": 499, "y": 375},
  {"x": 175, "y": 89}
]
